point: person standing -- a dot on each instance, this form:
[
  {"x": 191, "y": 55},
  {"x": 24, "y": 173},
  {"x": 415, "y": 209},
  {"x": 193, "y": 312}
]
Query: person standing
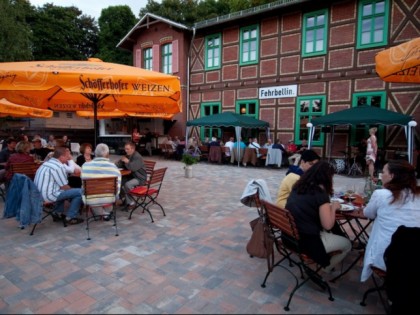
[
  {"x": 148, "y": 139},
  {"x": 51, "y": 180},
  {"x": 314, "y": 214},
  {"x": 371, "y": 151},
  {"x": 134, "y": 162},
  {"x": 135, "y": 136},
  {"x": 99, "y": 167},
  {"x": 398, "y": 203}
]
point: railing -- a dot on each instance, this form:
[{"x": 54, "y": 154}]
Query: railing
[{"x": 246, "y": 12}]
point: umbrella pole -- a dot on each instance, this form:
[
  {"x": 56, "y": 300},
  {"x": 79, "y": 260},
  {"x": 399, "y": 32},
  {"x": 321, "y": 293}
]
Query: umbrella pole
[{"x": 95, "y": 117}]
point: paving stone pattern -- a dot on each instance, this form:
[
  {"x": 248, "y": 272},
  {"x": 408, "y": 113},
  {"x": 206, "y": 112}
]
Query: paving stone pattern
[{"x": 191, "y": 261}]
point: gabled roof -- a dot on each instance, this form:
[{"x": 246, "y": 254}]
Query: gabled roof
[
  {"x": 145, "y": 22},
  {"x": 149, "y": 18}
]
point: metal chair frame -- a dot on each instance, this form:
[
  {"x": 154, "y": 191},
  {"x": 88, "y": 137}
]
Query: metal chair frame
[
  {"x": 99, "y": 186},
  {"x": 287, "y": 244},
  {"x": 146, "y": 195}
]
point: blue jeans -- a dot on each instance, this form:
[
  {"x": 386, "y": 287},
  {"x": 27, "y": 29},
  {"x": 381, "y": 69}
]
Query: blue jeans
[{"x": 74, "y": 195}]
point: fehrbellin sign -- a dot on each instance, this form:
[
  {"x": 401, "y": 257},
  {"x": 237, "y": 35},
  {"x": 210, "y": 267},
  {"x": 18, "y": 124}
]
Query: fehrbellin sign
[{"x": 278, "y": 91}]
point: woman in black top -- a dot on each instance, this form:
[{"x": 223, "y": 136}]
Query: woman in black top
[
  {"x": 86, "y": 156},
  {"x": 309, "y": 203}
]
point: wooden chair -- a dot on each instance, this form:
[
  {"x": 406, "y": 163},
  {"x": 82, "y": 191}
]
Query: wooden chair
[
  {"x": 105, "y": 188},
  {"x": 162, "y": 148},
  {"x": 150, "y": 166},
  {"x": 169, "y": 151},
  {"x": 17, "y": 182},
  {"x": 204, "y": 152},
  {"x": 145, "y": 195},
  {"x": 215, "y": 154},
  {"x": 226, "y": 154},
  {"x": 263, "y": 156},
  {"x": 27, "y": 168},
  {"x": 287, "y": 244}
]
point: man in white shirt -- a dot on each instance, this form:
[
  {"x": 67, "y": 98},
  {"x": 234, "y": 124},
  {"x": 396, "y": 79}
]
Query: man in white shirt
[
  {"x": 230, "y": 145},
  {"x": 254, "y": 144},
  {"x": 269, "y": 144},
  {"x": 51, "y": 180}
]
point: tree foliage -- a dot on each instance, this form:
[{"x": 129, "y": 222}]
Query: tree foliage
[
  {"x": 63, "y": 33},
  {"x": 115, "y": 22},
  {"x": 15, "y": 35},
  {"x": 53, "y": 32},
  {"x": 189, "y": 12}
]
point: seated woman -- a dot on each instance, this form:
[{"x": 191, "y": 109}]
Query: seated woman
[
  {"x": 398, "y": 203},
  {"x": 309, "y": 203},
  {"x": 21, "y": 156},
  {"x": 86, "y": 154}
]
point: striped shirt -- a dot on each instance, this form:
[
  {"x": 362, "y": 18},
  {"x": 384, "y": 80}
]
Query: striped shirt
[
  {"x": 49, "y": 179},
  {"x": 97, "y": 168}
]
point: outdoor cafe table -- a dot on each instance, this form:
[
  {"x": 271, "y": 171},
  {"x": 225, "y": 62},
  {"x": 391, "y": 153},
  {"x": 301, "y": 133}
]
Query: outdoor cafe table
[{"x": 358, "y": 224}]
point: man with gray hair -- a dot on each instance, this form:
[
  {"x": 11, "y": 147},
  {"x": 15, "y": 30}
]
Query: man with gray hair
[{"x": 99, "y": 167}]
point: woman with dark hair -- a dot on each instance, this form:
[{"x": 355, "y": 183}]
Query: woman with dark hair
[
  {"x": 86, "y": 156},
  {"x": 398, "y": 203},
  {"x": 314, "y": 214}
]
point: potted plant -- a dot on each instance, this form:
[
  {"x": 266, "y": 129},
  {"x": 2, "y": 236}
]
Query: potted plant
[{"x": 189, "y": 159}]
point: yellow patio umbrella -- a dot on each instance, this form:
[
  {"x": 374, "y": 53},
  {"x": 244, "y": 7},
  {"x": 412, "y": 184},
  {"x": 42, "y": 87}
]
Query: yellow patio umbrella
[
  {"x": 116, "y": 113},
  {"x": 90, "y": 85},
  {"x": 14, "y": 110},
  {"x": 400, "y": 63}
]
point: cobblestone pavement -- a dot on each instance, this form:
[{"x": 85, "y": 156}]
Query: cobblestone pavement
[{"x": 191, "y": 261}]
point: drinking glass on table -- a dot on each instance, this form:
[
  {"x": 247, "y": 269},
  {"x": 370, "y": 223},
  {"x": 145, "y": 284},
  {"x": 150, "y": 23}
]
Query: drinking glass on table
[{"x": 350, "y": 192}]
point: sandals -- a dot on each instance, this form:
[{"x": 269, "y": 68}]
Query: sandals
[{"x": 74, "y": 221}]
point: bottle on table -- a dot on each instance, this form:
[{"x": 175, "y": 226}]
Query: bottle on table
[{"x": 379, "y": 182}]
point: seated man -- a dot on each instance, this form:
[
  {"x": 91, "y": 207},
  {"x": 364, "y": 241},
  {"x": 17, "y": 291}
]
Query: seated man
[
  {"x": 38, "y": 150},
  {"x": 254, "y": 144},
  {"x": 268, "y": 144},
  {"x": 133, "y": 161},
  {"x": 51, "y": 180},
  {"x": 230, "y": 145},
  {"x": 99, "y": 167},
  {"x": 295, "y": 157},
  {"x": 308, "y": 159}
]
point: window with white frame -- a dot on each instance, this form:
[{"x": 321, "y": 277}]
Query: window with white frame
[
  {"x": 148, "y": 58},
  {"x": 373, "y": 20},
  {"x": 213, "y": 51},
  {"x": 167, "y": 58},
  {"x": 249, "y": 45},
  {"x": 315, "y": 26}
]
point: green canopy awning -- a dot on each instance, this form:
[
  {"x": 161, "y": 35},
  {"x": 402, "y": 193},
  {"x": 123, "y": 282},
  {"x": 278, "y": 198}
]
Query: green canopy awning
[
  {"x": 228, "y": 119},
  {"x": 368, "y": 115}
]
